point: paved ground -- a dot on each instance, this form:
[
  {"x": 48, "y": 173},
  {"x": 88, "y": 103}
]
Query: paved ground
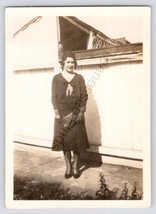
[{"x": 43, "y": 165}]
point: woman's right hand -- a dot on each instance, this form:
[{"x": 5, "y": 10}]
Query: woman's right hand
[{"x": 57, "y": 114}]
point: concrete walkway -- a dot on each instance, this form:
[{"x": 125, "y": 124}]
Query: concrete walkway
[{"x": 44, "y": 165}]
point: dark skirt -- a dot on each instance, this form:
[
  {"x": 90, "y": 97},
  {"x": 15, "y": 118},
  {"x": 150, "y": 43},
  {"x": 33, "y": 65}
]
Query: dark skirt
[{"x": 71, "y": 136}]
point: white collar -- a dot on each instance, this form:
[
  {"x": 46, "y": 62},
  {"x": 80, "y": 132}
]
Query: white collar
[{"x": 67, "y": 75}]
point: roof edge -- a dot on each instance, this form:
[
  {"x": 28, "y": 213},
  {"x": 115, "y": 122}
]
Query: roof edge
[{"x": 135, "y": 48}]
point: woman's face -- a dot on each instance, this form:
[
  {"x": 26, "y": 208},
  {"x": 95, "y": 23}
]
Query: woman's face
[{"x": 69, "y": 64}]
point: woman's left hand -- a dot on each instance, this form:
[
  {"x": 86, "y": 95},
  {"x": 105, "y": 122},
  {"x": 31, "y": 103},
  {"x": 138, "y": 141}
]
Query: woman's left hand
[{"x": 80, "y": 116}]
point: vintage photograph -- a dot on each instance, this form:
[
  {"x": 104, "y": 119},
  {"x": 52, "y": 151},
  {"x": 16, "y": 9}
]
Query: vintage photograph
[{"x": 77, "y": 107}]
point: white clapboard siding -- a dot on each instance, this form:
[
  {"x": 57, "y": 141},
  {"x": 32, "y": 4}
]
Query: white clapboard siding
[
  {"x": 117, "y": 105},
  {"x": 115, "y": 109},
  {"x": 36, "y": 46}
]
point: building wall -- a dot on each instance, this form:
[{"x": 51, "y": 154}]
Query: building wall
[
  {"x": 116, "y": 105},
  {"x": 36, "y": 46},
  {"x": 33, "y": 109},
  {"x": 115, "y": 109}
]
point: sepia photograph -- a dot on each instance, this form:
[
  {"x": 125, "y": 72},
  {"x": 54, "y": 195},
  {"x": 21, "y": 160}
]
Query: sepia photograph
[{"x": 77, "y": 107}]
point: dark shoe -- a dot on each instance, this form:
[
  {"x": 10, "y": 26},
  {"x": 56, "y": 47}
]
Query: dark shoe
[
  {"x": 76, "y": 174},
  {"x": 68, "y": 175}
]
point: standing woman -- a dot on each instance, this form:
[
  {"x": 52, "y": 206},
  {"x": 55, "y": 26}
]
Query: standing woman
[{"x": 69, "y": 98}]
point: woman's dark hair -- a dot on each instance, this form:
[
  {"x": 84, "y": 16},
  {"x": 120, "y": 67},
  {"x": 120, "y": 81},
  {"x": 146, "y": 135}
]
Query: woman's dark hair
[{"x": 68, "y": 54}]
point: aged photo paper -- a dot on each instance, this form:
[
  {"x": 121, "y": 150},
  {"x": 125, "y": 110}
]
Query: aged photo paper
[{"x": 77, "y": 107}]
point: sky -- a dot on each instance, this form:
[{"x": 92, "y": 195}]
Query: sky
[{"x": 129, "y": 27}]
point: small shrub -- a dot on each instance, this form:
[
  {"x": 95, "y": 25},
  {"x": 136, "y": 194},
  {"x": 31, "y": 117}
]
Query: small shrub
[{"x": 105, "y": 194}]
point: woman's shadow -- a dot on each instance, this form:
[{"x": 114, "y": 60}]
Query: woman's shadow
[{"x": 92, "y": 158}]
